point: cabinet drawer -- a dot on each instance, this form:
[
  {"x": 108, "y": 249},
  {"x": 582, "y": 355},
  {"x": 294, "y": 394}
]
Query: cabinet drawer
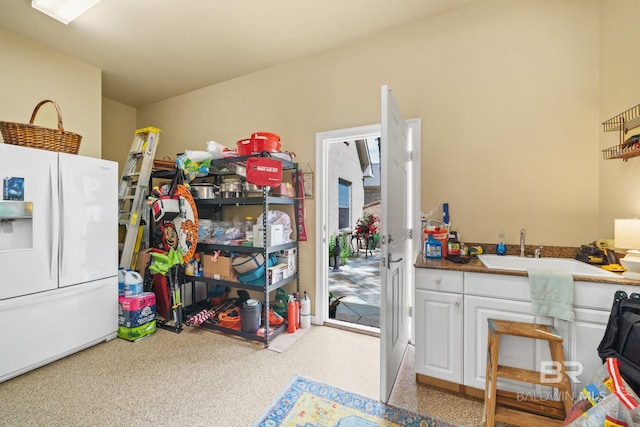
[
  {"x": 598, "y": 296},
  {"x": 439, "y": 280},
  {"x": 497, "y": 286}
]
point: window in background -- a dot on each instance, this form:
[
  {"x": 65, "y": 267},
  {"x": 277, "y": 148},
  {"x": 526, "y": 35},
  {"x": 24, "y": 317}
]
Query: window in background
[{"x": 344, "y": 205}]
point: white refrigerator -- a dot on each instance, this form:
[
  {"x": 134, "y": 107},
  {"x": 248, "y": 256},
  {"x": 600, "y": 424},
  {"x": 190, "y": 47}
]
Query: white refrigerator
[{"x": 58, "y": 256}]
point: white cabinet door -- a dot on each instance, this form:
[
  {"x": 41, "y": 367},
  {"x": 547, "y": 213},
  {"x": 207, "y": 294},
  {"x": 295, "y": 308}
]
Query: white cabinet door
[
  {"x": 581, "y": 340},
  {"x": 514, "y": 351},
  {"x": 439, "y": 339}
]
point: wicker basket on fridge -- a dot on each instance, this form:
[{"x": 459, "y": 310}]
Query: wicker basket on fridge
[{"x": 30, "y": 135}]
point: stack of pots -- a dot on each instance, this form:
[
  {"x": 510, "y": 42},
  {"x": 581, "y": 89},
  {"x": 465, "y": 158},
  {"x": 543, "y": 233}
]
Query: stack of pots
[
  {"x": 204, "y": 190},
  {"x": 231, "y": 189}
]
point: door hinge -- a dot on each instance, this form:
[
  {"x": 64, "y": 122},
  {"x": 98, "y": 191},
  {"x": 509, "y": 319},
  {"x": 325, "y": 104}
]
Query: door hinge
[
  {"x": 410, "y": 311},
  {"x": 410, "y": 233},
  {"x": 410, "y": 155}
]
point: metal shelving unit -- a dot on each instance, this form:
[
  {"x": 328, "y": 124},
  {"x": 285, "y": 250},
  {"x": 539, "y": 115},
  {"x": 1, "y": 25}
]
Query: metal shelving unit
[
  {"x": 623, "y": 122},
  {"x": 266, "y": 201}
]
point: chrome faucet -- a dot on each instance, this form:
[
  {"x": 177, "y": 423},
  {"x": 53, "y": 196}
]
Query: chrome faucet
[
  {"x": 523, "y": 233},
  {"x": 537, "y": 252}
]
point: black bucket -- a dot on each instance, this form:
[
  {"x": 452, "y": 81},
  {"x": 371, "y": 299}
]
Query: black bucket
[{"x": 250, "y": 314}]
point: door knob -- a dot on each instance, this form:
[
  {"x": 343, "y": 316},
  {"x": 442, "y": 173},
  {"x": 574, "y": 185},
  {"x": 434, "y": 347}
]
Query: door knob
[{"x": 389, "y": 260}]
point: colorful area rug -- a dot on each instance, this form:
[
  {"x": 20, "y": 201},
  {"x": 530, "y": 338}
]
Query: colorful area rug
[{"x": 309, "y": 403}]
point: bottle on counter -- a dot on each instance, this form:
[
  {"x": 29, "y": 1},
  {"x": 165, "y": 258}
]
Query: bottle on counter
[
  {"x": 441, "y": 235},
  {"x": 453, "y": 244},
  {"x": 432, "y": 248},
  {"x": 501, "y": 248},
  {"x": 463, "y": 250}
]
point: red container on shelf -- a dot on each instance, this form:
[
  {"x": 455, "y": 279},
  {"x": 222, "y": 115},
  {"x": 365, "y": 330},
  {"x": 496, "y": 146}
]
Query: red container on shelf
[
  {"x": 245, "y": 147},
  {"x": 266, "y": 135},
  {"x": 259, "y": 142}
]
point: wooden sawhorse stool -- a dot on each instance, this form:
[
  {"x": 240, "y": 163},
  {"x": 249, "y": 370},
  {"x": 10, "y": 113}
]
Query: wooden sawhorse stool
[{"x": 492, "y": 413}]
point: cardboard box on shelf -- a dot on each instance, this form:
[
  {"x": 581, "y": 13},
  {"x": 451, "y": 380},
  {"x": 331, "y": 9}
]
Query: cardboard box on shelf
[
  {"x": 288, "y": 257},
  {"x": 144, "y": 256},
  {"x": 277, "y": 273},
  {"x": 275, "y": 235},
  {"x": 219, "y": 268},
  {"x": 285, "y": 189}
]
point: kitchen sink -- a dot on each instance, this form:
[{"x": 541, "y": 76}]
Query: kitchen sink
[{"x": 571, "y": 266}]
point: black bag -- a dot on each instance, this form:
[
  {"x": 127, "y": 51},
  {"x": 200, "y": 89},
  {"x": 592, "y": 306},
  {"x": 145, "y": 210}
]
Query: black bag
[{"x": 622, "y": 337}]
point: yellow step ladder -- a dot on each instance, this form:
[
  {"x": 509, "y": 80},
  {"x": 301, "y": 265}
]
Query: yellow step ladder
[{"x": 134, "y": 189}]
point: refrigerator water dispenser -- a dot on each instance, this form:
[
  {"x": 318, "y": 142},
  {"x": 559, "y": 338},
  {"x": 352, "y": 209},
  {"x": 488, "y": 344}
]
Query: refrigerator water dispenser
[{"x": 16, "y": 225}]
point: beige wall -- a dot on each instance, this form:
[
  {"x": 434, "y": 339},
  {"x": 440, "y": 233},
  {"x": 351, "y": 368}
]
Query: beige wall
[
  {"x": 30, "y": 73},
  {"x": 508, "y": 96},
  {"x": 619, "y": 91},
  {"x": 119, "y": 125}
]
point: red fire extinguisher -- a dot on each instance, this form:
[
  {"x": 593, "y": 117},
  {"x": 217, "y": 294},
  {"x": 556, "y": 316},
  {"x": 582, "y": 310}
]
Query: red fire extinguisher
[
  {"x": 292, "y": 314},
  {"x": 297, "y": 299}
]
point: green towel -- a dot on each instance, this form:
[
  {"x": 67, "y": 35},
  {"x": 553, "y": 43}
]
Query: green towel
[{"x": 551, "y": 293}]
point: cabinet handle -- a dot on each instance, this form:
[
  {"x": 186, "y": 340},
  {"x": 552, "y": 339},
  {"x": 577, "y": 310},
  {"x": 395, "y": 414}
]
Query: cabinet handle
[
  {"x": 457, "y": 303},
  {"x": 438, "y": 280}
]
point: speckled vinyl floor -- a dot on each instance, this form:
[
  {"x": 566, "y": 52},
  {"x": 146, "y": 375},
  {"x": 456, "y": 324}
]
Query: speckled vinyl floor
[
  {"x": 202, "y": 378},
  {"x": 407, "y": 393}
]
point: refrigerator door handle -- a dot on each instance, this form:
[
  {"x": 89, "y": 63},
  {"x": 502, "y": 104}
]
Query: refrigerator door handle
[
  {"x": 55, "y": 220},
  {"x": 63, "y": 237}
]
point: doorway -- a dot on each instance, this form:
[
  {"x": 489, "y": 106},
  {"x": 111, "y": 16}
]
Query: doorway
[
  {"x": 342, "y": 180},
  {"x": 323, "y": 233},
  {"x": 353, "y": 202}
]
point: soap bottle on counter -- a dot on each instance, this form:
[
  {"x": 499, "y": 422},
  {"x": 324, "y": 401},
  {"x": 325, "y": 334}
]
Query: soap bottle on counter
[{"x": 501, "y": 248}]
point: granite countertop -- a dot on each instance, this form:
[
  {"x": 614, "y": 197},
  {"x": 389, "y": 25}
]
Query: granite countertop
[{"x": 476, "y": 266}]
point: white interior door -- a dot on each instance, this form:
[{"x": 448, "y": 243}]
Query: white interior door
[{"x": 395, "y": 244}]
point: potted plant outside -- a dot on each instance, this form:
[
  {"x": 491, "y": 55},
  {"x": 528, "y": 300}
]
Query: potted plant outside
[
  {"x": 367, "y": 230},
  {"x": 333, "y": 305}
]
